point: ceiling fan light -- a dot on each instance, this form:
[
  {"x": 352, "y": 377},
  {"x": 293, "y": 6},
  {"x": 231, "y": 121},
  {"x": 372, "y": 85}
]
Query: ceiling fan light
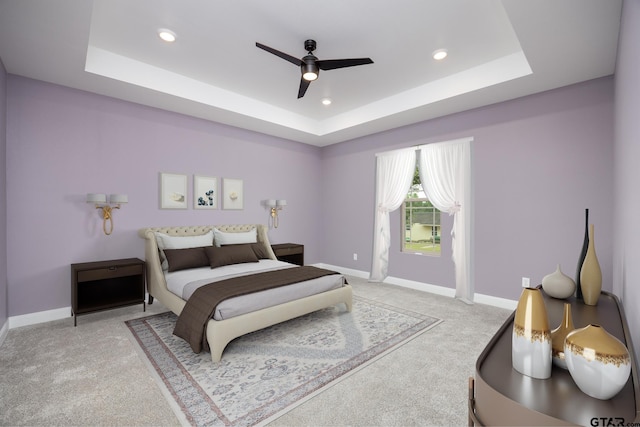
[
  {"x": 309, "y": 68},
  {"x": 310, "y": 76}
]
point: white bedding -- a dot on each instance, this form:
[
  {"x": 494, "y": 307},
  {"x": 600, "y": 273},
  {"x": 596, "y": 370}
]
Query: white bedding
[{"x": 183, "y": 283}]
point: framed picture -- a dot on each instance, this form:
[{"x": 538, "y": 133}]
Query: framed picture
[
  {"x": 205, "y": 192},
  {"x": 173, "y": 191},
  {"x": 232, "y": 196}
]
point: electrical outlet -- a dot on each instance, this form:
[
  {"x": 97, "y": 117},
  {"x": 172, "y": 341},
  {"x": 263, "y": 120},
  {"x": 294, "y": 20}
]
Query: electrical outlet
[
  {"x": 526, "y": 282},
  {"x": 355, "y": 257}
]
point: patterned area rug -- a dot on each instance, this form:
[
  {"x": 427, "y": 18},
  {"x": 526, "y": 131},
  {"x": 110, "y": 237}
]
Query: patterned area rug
[{"x": 266, "y": 373}]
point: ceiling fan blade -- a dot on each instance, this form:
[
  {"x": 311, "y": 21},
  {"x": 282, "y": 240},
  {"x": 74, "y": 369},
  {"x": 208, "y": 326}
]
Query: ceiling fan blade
[
  {"x": 332, "y": 64},
  {"x": 285, "y": 56},
  {"x": 304, "y": 84}
]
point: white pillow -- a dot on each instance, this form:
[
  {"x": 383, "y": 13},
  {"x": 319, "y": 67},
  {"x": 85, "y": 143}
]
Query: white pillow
[
  {"x": 222, "y": 238},
  {"x": 181, "y": 242}
]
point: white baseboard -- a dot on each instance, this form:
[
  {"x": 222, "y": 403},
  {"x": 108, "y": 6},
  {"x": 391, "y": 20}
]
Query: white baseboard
[
  {"x": 508, "y": 304},
  {"x": 425, "y": 287},
  {"x": 39, "y": 317},
  {"x": 3, "y": 332},
  {"x": 43, "y": 316}
]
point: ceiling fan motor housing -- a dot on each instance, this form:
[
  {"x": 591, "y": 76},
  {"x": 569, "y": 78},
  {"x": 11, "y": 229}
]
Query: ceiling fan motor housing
[{"x": 310, "y": 45}]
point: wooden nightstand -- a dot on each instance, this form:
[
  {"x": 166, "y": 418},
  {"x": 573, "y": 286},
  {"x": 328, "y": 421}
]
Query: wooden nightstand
[
  {"x": 104, "y": 285},
  {"x": 289, "y": 252}
]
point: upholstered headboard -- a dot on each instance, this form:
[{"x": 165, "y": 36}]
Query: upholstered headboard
[{"x": 156, "y": 283}]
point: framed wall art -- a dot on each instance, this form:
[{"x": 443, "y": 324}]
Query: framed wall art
[
  {"x": 205, "y": 192},
  {"x": 232, "y": 195},
  {"x": 173, "y": 191}
]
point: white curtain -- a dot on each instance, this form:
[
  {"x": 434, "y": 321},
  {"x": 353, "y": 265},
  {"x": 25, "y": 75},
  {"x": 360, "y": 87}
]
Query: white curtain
[
  {"x": 394, "y": 173},
  {"x": 446, "y": 179}
]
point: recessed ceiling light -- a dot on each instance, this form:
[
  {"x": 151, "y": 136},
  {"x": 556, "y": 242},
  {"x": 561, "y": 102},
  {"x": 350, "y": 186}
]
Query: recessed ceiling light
[
  {"x": 326, "y": 101},
  {"x": 167, "y": 35},
  {"x": 440, "y": 54}
]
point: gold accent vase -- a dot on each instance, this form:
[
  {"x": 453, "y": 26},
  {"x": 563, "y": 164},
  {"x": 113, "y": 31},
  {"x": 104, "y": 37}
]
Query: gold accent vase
[
  {"x": 531, "y": 337},
  {"x": 558, "y": 335},
  {"x": 590, "y": 274},
  {"x": 598, "y": 362}
]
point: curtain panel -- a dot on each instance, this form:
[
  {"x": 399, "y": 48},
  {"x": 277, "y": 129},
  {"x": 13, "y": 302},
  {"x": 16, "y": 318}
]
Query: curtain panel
[
  {"x": 394, "y": 174},
  {"x": 445, "y": 173}
]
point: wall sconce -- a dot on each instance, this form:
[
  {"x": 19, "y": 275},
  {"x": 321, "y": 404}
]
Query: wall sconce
[
  {"x": 100, "y": 200},
  {"x": 275, "y": 205}
]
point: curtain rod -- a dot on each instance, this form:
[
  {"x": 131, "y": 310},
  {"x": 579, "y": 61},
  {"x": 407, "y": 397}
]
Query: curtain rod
[{"x": 418, "y": 147}]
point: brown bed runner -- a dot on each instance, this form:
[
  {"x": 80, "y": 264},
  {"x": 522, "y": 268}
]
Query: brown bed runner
[{"x": 191, "y": 325}]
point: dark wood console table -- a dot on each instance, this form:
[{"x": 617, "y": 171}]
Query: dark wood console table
[{"x": 499, "y": 395}]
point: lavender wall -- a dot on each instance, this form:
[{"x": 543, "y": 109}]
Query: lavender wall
[
  {"x": 63, "y": 143},
  {"x": 3, "y": 197},
  {"x": 627, "y": 153},
  {"x": 538, "y": 162}
]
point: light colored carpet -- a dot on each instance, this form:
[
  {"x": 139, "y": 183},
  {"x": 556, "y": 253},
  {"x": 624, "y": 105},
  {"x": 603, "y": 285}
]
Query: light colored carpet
[{"x": 54, "y": 374}]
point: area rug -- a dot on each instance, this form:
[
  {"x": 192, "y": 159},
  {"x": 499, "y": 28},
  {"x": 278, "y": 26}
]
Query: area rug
[{"x": 264, "y": 374}]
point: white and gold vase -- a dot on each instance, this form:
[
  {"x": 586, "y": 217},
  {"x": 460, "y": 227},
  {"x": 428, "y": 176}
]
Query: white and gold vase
[
  {"x": 558, "y": 335},
  {"x": 531, "y": 337},
  {"x": 598, "y": 362}
]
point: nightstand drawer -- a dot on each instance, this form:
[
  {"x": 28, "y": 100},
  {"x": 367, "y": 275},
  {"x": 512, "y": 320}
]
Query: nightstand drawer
[
  {"x": 109, "y": 272},
  {"x": 289, "y": 250}
]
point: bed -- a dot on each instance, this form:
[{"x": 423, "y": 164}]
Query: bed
[{"x": 243, "y": 317}]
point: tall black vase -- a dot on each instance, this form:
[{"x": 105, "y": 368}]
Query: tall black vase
[{"x": 583, "y": 254}]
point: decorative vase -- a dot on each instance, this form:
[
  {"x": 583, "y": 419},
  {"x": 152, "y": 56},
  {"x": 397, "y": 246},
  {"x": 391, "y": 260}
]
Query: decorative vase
[
  {"x": 531, "y": 337},
  {"x": 583, "y": 253},
  {"x": 558, "y": 335},
  {"x": 598, "y": 362},
  {"x": 558, "y": 284},
  {"x": 590, "y": 274}
]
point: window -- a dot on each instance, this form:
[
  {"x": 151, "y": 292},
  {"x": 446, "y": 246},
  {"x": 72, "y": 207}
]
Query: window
[{"x": 420, "y": 222}]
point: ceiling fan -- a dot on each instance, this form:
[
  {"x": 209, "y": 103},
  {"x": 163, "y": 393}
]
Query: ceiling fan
[{"x": 311, "y": 66}]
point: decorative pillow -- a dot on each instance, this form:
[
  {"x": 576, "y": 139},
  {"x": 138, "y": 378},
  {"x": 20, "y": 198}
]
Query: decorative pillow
[
  {"x": 260, "y": 250},
  {"x": 222, "y": 238},
  {"x": 233, "y": 254},
  {"x": 182, "y": 259},
  {"x": 181, "y": 242}
]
